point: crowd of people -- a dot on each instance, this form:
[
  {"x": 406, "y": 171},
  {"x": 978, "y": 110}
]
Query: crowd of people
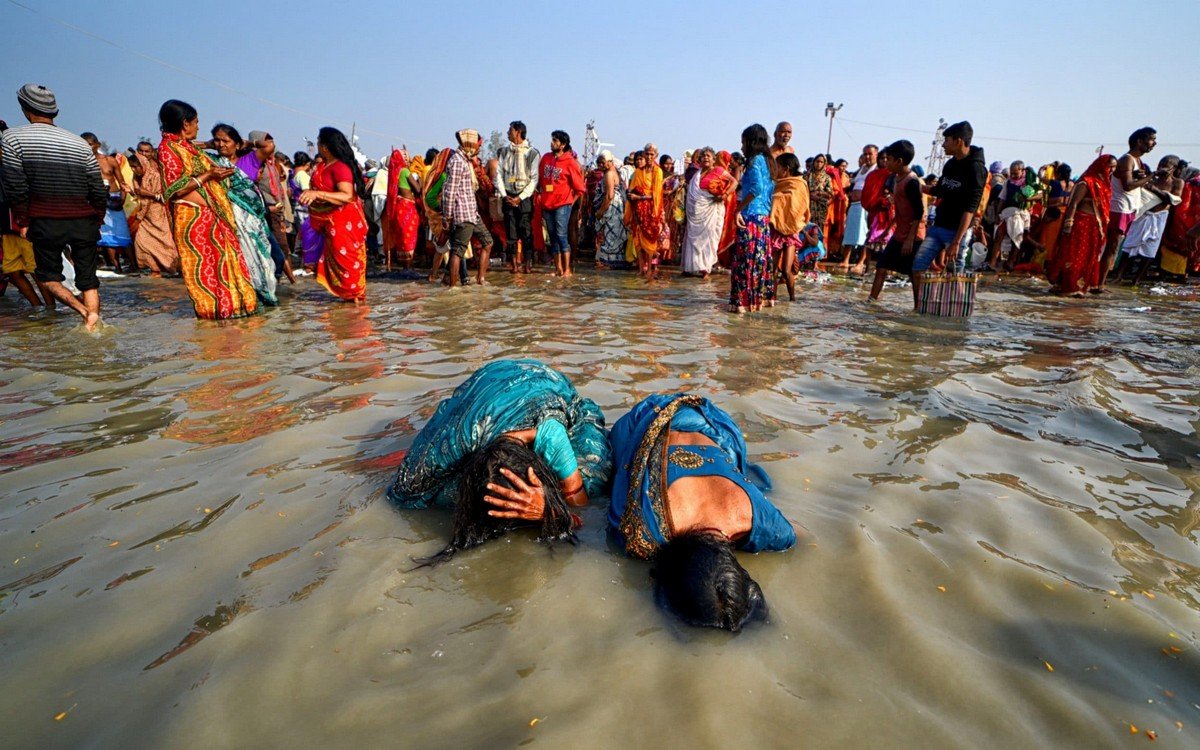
[{"x": 230, "y": 214}]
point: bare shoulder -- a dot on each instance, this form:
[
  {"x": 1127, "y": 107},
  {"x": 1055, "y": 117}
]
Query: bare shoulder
[{"x": 688, "y": 438}]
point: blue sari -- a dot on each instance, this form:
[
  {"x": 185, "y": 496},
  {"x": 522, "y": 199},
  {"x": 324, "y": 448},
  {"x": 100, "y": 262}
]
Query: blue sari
[
  {"x": 637, "y": 515},
  {"x": 505, "y": 396}
]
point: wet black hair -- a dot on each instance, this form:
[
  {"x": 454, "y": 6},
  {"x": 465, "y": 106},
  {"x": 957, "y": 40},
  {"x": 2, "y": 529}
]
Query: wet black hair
[
  {"x": 755, "y": 141},
  {"x": 1141, "y": 134},
  {"x": 173, "y": 114},
  {"x": 89, "y": 137},
  {"x": 339, "y": 148},
  {"x": 562, "y": 137},
  {"x": 961, "y": 130},
  {"x": 788, "y": 164},
  {"x": 518, "y": 126},
  {"x": 472, "y": 526},
  {"x": 697, "y": 576},
  {"x": 300, "y": 158},
  {"x": 1062, "y": 171},
  {"x": 430, "y": 155},
  {"x": 737, "y": 158},
  {"x": 902, "y": 150}
]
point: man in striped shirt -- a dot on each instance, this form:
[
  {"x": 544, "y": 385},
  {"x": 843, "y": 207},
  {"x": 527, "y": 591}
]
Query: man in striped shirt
[{"x": 58, "y": 199}]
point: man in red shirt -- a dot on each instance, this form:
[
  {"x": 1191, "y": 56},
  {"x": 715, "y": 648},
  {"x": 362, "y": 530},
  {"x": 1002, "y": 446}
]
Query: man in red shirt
[{"x": 560, "y": 184}]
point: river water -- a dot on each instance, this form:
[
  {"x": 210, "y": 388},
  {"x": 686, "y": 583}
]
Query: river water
[{"x": 1001, "y": 522}]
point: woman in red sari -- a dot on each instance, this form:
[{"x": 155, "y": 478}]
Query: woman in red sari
[
  {"x": 729, "y": 231},
  {"x": 401, "y": 220},
  {"x": 336, "y": 211},
  {"x": 835, "y": 222},
  {"x": 1076, "y": 266}
]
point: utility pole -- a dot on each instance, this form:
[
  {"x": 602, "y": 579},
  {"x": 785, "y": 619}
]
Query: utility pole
[{"x": 831, "y": 112}]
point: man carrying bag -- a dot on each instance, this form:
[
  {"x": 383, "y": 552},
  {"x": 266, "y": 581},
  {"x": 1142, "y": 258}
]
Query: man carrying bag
[{"x": 951, "y": 292}]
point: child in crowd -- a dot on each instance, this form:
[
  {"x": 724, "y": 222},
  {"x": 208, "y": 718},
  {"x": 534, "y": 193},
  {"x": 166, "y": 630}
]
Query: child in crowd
[
  {"x": 908, "y": 227},
  {"x": 789, "y": 217}
]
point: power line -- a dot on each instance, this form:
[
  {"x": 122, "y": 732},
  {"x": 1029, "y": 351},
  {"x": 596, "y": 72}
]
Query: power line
[
  {"x": 926, "y": 131},
  {"x": 192, "y": 73}
]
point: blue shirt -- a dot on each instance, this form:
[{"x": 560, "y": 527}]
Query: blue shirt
[{"x": 757, "y": 182}]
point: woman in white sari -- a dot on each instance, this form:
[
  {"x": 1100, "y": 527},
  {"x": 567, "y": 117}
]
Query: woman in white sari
[{"x": 706, "y": 193}]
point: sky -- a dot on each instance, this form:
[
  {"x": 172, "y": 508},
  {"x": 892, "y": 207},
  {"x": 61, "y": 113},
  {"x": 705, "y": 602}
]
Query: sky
[{"x": 1039, "y": 81}]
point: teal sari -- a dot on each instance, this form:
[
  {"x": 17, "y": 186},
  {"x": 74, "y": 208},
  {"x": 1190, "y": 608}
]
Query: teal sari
[
  {"x": 250, "y": 216},
  {"x": 505, "y": 396}
]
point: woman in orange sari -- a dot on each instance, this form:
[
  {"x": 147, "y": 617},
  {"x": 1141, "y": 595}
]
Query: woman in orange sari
[
  {"x": 336, "y": 211},
  {"x": 644, "y": 212},
  {"x": 213, "y": 268},
  {"x": 1075, "y": 268}
]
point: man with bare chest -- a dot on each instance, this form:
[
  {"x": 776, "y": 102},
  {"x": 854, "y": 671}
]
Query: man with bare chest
[
  {"x": 115, "y": 239},
  {"x": 1128, "y": 193}
]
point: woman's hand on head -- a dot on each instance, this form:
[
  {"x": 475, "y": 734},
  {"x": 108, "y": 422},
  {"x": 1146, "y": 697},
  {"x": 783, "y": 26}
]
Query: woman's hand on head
[{"x": 525, "y": 501}]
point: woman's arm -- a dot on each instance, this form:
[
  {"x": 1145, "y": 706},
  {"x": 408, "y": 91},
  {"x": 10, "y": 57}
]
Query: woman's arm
[
  {"x": 1077, "y": 195},
  {"x": 345, "y": 194},
  {"x": 610, "y": 190}
]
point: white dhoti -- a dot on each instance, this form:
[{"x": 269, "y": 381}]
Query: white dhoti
[
  {"x": 705, "y": 220},
  {"x": 1145, "y": 235},
  {"x": 856, "y": 226}
]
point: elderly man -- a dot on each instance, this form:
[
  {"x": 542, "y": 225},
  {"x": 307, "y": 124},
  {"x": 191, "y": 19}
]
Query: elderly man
[
  {"x": 52, "y": 183},
  {"x": 857, "y": 231},
  {"x": 460, "y": 212},
  {"x": 115, "y": 237},
  {"x": 783, "y": 136}
]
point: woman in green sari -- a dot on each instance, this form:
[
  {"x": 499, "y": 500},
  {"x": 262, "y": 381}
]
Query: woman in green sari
[{"x": 250, "y": 215}]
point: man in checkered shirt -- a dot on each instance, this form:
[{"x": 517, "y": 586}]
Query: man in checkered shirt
[{"x": 460, "y": 211}]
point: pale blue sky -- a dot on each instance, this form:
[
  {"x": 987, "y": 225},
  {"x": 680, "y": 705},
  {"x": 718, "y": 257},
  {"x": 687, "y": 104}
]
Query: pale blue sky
[{"x": 680, "y": 74}]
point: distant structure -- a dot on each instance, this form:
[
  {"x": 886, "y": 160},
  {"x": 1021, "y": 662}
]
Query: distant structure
[
  {"x": 592, "y": 144},
  {"x": 937, "y": 155}
]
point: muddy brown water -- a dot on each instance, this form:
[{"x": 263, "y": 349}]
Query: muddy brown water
[{"x": 1001, "y": 523}]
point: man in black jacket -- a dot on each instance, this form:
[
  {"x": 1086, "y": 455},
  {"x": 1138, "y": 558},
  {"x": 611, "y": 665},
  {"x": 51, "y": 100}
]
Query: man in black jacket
[{"x": 959, "y": 192}]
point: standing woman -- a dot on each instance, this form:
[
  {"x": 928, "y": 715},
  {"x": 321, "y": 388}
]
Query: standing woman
[
  {"x": 643, "y": 212},
  {"x": 211, "y": 260},
  {"x": 707, "y": 195},
  {"x": 735, "y": 168},
  {"x": 336, "y": 210},
  {"x": 669, "y": 236},
  {"x": 1075, "y": 268},
  {"x": 750, "y": 282},
  {"x": 249, "y": 215},
  {"x": 1056, "y": 206},
  {"x": 311, "y": 241},
  {"x": 820, "y": 191},
  {"x": 608, "y": 201},
  {"x": 153, "y": 245}
]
